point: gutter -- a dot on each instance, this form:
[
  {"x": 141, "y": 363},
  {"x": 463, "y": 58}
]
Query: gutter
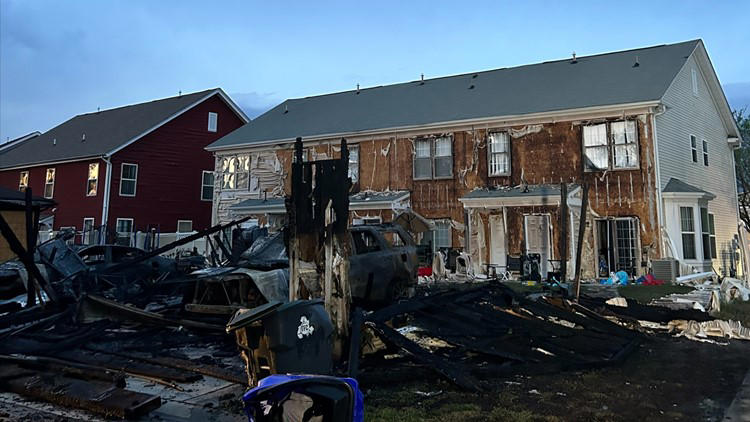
[
  {"x": 573, "y": 114},
  {"x": 107, "y": 188}
]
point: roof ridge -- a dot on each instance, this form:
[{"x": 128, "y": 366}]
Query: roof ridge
[
  {"x": 479, "y": 72},
  {"x": 146, "y": 102}
]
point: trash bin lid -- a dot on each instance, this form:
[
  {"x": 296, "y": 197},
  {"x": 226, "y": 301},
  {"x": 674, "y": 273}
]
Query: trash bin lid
[{"x": 244, "y": 317}]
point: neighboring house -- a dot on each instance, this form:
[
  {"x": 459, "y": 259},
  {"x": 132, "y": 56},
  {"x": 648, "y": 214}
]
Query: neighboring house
[
  {"x": 132, "y": 168},
  {"x": 484, "y": 154},
  {"x": 18, "y": 141}
]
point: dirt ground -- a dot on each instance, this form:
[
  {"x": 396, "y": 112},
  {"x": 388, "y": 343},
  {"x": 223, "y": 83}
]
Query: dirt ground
[{"x": 666, "y": 379}]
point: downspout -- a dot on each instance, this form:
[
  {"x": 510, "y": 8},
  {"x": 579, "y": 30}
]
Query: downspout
[
  {"x": 105, "y": 200},
  {"x": 658, "y": 111}
]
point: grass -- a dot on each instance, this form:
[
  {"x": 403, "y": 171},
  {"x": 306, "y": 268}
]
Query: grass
[
  {"x": 644, "y": 294},
  {"x": 738, "y": 311}
]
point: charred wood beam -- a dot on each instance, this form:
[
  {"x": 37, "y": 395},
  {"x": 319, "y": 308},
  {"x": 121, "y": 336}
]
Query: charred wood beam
[
  {"x": 170, "y": 246},
  {"x": 26, "y": 258},
  {"x": 74, "y": 369},
  {"x": 96, "y": 396}
]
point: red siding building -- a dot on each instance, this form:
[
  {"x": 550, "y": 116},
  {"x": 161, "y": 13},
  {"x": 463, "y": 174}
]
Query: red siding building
[{"x": 131, "y": 168}]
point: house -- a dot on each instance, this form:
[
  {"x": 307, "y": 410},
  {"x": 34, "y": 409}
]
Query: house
[
  {"x": 486, "y": 154},
  {"x": 131, "y": 168}
]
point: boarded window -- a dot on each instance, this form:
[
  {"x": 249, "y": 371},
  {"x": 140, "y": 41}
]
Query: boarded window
[
  {"x": 595, "y": 147},
  {"x": 499, "y": 154},
  {"x": 235, "y": 172},
  {"x": 23, "y": 181},
  {"x": 93, "y": 179},
  {"x": 212, "y": 121},
  {"x": 207, "y": 185},
  {"x": 128, "y": 179},
  {"x": 687, "y": 226},
  {"x": 694, "y": 148},
  {"x": 625, "y": 144},
  {"x": 49, "y": 183},
  {"x": 354, "y": 163}
]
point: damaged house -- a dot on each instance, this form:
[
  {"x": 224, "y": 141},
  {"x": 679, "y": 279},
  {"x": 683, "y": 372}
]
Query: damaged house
[
  {"x": 107, "y": 168},
  {"x": 488, "y": 157}
]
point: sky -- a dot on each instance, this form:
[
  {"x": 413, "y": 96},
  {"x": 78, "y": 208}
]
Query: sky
[{"x": 62, "y": 58}]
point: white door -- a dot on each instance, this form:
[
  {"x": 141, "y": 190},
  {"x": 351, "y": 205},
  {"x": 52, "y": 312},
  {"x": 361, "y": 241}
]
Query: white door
[
  {"x": 498, "y": 254},
  {"x": 538, "y": 238}
]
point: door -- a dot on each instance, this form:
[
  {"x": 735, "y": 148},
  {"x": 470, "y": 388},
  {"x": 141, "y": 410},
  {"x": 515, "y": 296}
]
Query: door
[
  {"x": 498, "y": 254},
  {"x": 538, "y": 239}
]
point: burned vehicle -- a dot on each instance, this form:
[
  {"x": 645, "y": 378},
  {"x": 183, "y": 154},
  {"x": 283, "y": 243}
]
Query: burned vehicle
[
  {"x": 383, "y": 264},
  {"x": 101, "y": 257}
]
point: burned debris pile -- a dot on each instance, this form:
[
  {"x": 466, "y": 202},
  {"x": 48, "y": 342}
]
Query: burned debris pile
[{"x": 475, "y": 334}]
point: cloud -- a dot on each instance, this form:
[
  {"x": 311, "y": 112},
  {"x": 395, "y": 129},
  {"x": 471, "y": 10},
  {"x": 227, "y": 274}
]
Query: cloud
[{"x": 253, "y": 103}]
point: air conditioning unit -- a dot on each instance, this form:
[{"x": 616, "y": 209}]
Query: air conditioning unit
[{"x": 666, "y": 269}]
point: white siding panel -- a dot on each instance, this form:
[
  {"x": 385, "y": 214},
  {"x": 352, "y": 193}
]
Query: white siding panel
[{"x": 687, "y": 114}]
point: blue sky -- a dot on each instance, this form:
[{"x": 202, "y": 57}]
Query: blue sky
[{"x": 62, "y": 58}]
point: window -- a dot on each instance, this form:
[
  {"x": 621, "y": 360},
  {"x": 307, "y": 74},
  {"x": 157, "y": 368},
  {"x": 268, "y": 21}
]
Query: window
[
  {"x": 212, "y": 121},
  {"x": 433, "y": 158},
  {"x": 595, "y": 147},
  {"x": 621, "y": 138},
  {"x": 88, "y": 235},
  {"x": 443, "y": 235},
  {"x": 235, "y": 172},
  {"x": 687, "y": 227},
  {"x": 625, "y": 144},
  {"x": 93, "y": 179},
  {"x": 354, "y": 163},
  {"x": 207, "y": 186},
  {"x": 124, "y": 228},
  {"x": 708, "y": 234},
  {"x": 695, "y": 82},
  {"x": 49, "y": 183},
  {"x": 23, "y": 181},
  {"x": 366, "y": 220},
  {"x": 128, "y": 178},
  {"x": 184, "y": 226},
  {"x": 705, "y": 153},
  {"x": 694, "y": 148},
  {"x": 364, "y": 242},
  {"x": 499, "y": 154}
]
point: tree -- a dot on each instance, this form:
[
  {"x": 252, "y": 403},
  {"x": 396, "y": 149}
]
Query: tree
[{"x": 742, "y": 163}]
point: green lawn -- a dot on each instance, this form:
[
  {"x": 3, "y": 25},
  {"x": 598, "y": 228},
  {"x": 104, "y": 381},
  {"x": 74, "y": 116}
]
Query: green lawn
[{"x": 738, "y": 311}]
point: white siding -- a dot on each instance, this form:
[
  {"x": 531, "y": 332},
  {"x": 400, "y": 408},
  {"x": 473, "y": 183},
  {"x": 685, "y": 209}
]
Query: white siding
[{"x": 688, "y": 114}]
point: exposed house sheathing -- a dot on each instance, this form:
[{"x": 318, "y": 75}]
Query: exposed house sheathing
[{"x": 541, "y": 153}]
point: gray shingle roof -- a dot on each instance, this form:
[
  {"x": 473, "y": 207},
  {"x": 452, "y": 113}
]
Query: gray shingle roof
[
  {"x": 598, "y": 80},
  {"x": 105, "y": 130},
  {"x": 361, "y": 198},
  {"x": 678, "y": 186}
]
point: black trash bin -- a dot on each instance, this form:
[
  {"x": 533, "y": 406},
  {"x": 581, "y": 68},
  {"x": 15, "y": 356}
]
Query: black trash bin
[{"x": 290, "y": 338}]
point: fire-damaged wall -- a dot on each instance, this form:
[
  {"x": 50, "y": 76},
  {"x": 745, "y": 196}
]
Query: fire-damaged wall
[{"x": 541, "y": 153}]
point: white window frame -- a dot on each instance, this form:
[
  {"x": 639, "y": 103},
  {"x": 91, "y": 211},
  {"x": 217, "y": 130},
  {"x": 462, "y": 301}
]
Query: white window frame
[
  {"x": 213, "y": 121},
  {"x": 361, "y": 221},
  {"x": 493, "y": 167},
  {"x": 21, "y": 186},
  {"x": 204, "y": 185},
  {"x": 84, "y": 239},
  {"x": 708, "y": 235},
  {"x": 705, "y": 153},
  {"x": 353, "y": 171},
  {"x": 687, "y": 232},
  {"x": 117, "y": 225},
  {"x": 135, "y": 180},
  {"x": 694, "y": 148},
  {"x": 611, "y": 146},
  {"x": 95, "y": 179},
  {"x": 694, "y": 74},
  {"x": 229, "y": 166},
  {"x": 433, "y": 141},
  {"x": 437, "y": 223},
  {"x": 184, "y": 221},
  {"x": 48, "y": 183}
]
